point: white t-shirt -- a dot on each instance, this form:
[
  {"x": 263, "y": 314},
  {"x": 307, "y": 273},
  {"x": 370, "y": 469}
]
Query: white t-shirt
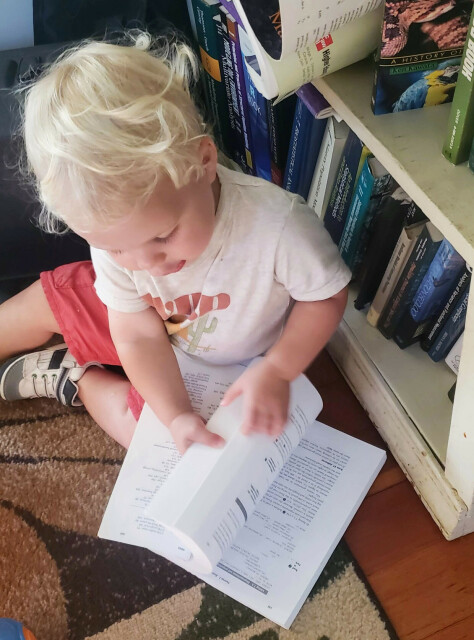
[{"x": 268, "y": 249}]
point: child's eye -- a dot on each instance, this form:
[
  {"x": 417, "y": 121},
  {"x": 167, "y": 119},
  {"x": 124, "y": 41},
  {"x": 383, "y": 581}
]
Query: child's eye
[{"x": 165, "y": 239}]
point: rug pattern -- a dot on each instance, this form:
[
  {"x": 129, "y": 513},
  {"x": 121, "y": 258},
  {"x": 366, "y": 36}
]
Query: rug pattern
[{"x": 57, "y": 469}]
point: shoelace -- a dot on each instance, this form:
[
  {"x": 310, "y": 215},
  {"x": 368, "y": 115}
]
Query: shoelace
[{"x": 49, "y": 391}]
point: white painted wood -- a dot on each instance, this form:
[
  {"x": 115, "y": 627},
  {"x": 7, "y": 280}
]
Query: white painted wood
[
  {"x": 460, "y": 455},
  {"x": 403, "y": 393},
  {"x": 408, "y": 447}
]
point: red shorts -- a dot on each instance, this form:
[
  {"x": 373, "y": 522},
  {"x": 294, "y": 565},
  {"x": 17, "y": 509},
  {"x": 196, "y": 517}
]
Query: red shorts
[{"x": 82, "y": 318}]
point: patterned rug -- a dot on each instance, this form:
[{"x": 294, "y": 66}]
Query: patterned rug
[{"x": 57, "y": 469}]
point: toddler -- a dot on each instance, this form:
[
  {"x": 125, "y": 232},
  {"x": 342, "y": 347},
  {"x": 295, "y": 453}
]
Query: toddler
[{"x": 184, "y": 252}]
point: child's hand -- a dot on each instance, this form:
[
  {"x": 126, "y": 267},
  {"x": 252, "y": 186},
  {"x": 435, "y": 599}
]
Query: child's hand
[
  {"x": 188, "y": 427},
  {"x": 266, "y": 396}
]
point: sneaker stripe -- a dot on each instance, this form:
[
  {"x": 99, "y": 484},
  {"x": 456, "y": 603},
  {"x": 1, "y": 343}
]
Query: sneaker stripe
[{"x": 56, "y": 360}]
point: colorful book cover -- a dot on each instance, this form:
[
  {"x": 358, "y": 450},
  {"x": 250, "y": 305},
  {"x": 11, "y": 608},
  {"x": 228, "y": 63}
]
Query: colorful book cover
[
  {"x": 258, "y": 118},
  {"x": 451, "y": 331},
  {"x": 341, "y": 194},
  {"x": 412, "y": 274},
  {"x": 430, "y": 296},
  {"x": 280, "y": 116},
  {"x": 239, "y": 76},
  {"x": 397, "y": 210},
  {"x": 372, "y": 172},
  {"x": 206, "y": 12},
  {"x": 461, "y": 116},
  {"x": 420, "y": 53},
  {"x": 439, "y": 320}
]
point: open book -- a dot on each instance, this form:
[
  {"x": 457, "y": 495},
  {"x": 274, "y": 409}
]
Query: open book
[
  {"x": 293, "y": 42},
  {"x": 257, "y": 519}
]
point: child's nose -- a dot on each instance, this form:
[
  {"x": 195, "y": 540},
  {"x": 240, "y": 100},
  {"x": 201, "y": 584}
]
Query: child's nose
[{"x": 148, "y": 259}]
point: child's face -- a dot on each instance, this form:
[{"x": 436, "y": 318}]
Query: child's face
[{"x": 173, "y": 228}]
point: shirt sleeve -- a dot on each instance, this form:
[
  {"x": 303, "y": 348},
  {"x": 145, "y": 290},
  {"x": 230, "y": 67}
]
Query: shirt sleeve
[
  {"x": 307, "y": 262},
  {"x": 114, "y": 285}
]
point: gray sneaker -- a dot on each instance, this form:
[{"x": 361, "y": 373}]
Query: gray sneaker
[{"x": 51, "y": 373}]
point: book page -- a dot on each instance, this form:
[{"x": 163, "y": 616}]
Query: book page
[
  {"x": 207, "y": 520},
  {"x": 151, "y": 457},
  {"x": 285, "y": 544}
]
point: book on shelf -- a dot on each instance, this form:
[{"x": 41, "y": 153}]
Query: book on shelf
[
  {"x": 419, "y": 54},
  {"x": 462, "y": 283},
  {"x": 398, "y": 260},
  {"x": 206, "y": 16},
  {"x": 372, "y": 175},
  {"x": 460, "y": 131},
  {"x": 292, "y": 43},
  {"x": 258, "y": 518},
  {"x": 451, "y": 330},
  {"x": 329, "y": 157},
  {"x": 427, "y": 242},
  {"x": 306, "y": 138},
  {"x": 453, "y": 358},
  {"x": 315, "y": 101},
  {"x": 352, "y": 158},
  {"x": 430, "y": 296},
  {"x": 396, "y": 210},
  {"x": 280, "y": 118}
]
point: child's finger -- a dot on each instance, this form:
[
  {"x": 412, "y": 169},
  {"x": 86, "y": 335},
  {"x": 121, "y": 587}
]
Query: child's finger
[
  {"x": 233, "y": 392},
  {"x": 209, "y": 439}
]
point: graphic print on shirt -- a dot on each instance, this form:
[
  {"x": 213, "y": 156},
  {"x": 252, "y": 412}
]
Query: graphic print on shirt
[{"x": 188, "y": 317}]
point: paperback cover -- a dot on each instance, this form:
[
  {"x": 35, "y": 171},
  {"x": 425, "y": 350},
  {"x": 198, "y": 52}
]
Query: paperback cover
[
  {"x": 420, "y": 53},
  {"x": 327, "y": 164},
  {"x": 343, "y": 188},
  {"x": 451, "y": 331},
  {"x": 258, "y": 518},
  {"x": 372, "y": 173},
  {"x": 417, "y": 264},
  {"x": 461, "y": 116}
]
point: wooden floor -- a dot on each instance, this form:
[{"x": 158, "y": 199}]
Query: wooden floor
[{"x": 424, "y": 583}]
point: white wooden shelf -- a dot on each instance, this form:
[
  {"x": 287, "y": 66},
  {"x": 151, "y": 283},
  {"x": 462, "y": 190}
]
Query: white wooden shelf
[{"x": 403, "y": 391}]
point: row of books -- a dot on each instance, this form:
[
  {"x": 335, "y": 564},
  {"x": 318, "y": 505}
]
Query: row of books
[{"x": 411, "y": 282}]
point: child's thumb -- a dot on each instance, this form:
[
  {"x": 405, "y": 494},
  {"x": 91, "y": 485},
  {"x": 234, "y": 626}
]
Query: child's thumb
[{"x": 231, "y": 394}]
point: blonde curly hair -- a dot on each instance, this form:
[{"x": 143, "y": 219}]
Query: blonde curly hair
[{"x": 104, "y": 123}]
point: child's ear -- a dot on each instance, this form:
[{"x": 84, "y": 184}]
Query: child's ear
[{"x": 208, "y": 151}]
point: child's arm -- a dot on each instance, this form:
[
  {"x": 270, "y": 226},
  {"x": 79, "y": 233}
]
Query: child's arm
[
  {"x": 265, "y": 387},
  {"x": 148, "y": 359}
]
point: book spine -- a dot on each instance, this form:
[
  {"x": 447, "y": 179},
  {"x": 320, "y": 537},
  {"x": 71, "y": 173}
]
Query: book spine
[
  {"x": 321, "y": 171},
  {"x": 239, "y": 69},
  {"x": 216, "y": 99},
  {"x": 412, "y": 274},
  {"x": 355, "y": 218},
  {"x": 310, "y": 151},
  {"x": 451, "y": 330},
  {"x": 341, "y": 195},
  {"x": 435, "y": 286},
  {"x": 301, "y": 123},
  {"x": 453, "y": 358},
  {"x": 314, "y": 100},
  {"x": 439, "y": 320},
  {"x": 236, "y": 150},
  {"x": 392, "y": 272},
  {"x": 461, "y": 116},
  {"x": 280, "y": 117}
]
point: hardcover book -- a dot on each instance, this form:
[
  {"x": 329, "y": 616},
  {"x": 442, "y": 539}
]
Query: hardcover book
[
  {"x": 451, "y": 330},
  {"x": 461, "y": 116},
  {"x": 420, "y": 53},
  {"x": 258, "y": 518}
]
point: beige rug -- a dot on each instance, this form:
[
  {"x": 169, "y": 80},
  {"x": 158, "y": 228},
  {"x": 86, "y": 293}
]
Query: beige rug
[{"x": 57, "y": 469}]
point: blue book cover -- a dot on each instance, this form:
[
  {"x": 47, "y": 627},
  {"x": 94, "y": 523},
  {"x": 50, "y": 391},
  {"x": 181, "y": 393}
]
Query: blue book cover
[
  {"x": 437, "y": 283},
  {"x": 341, "y": 194},
  {"x": 451, "y": 331},
  {"x": 239, "y": 77},
  {"x": 310, "y": 152},
  {"x": 258, "y": 118},
  {"x": 302, "y": 122}
]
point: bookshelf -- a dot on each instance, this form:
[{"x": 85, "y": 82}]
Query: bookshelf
[{"x": 403, "y": 391}]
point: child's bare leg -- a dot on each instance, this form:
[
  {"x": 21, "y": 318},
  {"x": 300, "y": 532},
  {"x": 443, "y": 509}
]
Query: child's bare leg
[
  {"x": 26, "y": 321},
  {"x": 104, "y": 394}
]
